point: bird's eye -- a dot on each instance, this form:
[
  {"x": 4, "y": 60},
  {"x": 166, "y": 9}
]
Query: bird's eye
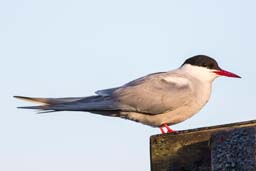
[
  {"x": 211, "y": 66},
  {"x": 204, "y": 65}
]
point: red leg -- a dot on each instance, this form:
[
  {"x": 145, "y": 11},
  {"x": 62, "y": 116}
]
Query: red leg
[
  {"x": 162, "y": 130},
  {"x": 169, "y": 130}
]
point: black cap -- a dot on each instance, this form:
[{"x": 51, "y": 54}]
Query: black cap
[{"x": 202, "y": 61}]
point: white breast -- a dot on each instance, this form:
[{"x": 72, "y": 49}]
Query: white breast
[{"x": 200, "y": 80}]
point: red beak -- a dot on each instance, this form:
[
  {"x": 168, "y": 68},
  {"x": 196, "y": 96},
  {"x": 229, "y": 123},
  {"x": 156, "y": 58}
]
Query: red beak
[{"x": 226, "y": 73}]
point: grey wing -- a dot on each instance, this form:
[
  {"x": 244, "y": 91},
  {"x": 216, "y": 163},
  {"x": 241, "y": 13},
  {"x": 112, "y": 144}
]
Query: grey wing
[
  {"x": 153, "y": 94},
  {"x": 106, "y": 92},
  {"x": 110, "y": 91}
]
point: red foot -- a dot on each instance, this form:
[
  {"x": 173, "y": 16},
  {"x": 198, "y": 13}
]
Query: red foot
[{"x": 169, "y": 130}]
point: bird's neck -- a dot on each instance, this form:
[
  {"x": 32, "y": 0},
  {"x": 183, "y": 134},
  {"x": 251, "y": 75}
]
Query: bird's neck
[{"x": 201, "y": 74}]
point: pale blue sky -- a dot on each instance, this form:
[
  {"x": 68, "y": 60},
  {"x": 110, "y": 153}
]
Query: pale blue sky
[{"x": 56, "y": 48}]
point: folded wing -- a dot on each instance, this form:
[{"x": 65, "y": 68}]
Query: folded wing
[{"x": 152, "y": 94}]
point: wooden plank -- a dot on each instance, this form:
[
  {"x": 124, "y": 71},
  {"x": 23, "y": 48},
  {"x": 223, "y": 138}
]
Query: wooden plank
[{"x": 187, "y": 150}]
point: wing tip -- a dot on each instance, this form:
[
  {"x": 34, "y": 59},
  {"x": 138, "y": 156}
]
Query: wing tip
[
  {"x": 32, "y": 99},
  {"x": 23, "y": 98},
  {"x": 19, "y": 97}
]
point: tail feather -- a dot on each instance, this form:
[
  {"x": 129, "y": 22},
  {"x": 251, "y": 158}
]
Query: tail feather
[
  {"x": 41, "y": 109},
  {"x": 90, "y": 103},
  {"x": 49, "y": 101}
]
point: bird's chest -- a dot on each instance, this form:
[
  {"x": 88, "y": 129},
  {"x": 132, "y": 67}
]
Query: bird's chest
[
  {"x": 202, "y": 94},
  {"x": 200, "y": 98}
]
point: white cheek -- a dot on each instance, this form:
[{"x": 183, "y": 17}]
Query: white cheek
[{"x": 201, "y": 73}]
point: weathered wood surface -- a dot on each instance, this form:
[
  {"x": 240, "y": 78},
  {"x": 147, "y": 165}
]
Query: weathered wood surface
[{"x": 188, "y": 150}]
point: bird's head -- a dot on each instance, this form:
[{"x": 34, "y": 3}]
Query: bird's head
[{"x": 206, "y": 68}]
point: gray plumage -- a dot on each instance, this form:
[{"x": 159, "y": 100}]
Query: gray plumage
[
  {"x": 150, "y": 95},
  {"x": 156, "y": 99}
]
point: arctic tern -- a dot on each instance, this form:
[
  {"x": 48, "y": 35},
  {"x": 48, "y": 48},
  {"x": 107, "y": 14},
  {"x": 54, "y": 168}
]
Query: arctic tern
[{"x": 159, "y": 99}]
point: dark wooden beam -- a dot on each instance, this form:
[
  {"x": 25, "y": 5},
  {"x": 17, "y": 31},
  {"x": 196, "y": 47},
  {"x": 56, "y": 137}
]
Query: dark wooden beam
[{"x": 191, "y": 150}]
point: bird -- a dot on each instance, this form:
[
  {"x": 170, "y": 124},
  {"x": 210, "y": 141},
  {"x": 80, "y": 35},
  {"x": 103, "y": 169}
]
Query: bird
[{"x": 159, "y": 99}]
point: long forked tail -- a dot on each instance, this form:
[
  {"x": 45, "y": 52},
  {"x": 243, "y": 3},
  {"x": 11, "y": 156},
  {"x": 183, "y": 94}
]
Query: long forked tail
[
  {"x": 90, "y": 103},
  {"x": 46, "y": 102},
  {"x": 49, "y": 101}
]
